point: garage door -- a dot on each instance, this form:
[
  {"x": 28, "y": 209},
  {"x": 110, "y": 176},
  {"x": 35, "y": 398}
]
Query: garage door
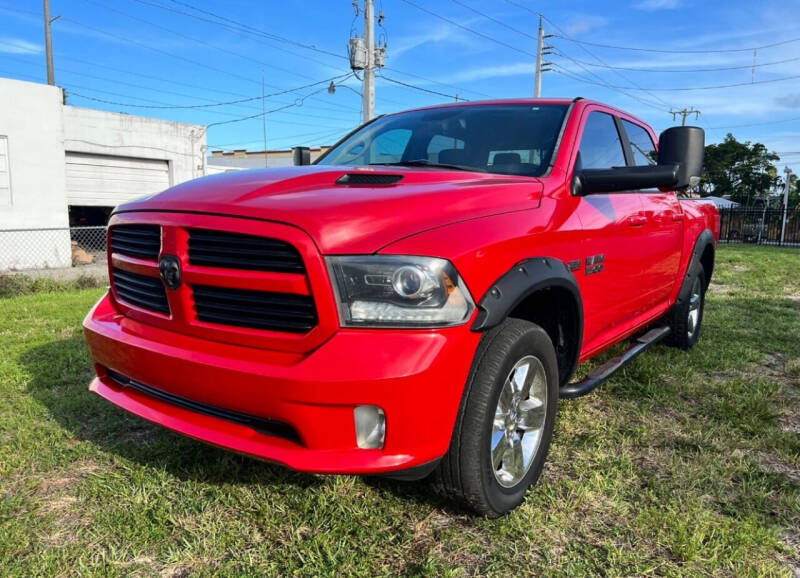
[{"x": 107, "y": 180}]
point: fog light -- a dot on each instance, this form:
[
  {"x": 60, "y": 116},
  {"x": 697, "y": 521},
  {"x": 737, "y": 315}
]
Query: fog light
[{"x": 370, "y": 426}]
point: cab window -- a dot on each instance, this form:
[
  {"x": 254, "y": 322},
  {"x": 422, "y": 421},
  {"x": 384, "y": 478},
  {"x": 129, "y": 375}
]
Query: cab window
[
  {"x": 601, "y": 146},
  {"x": 644, "y": 151}
]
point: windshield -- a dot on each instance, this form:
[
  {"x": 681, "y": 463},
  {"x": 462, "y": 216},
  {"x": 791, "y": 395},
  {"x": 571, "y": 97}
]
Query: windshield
[{"x": 514, "y": 139}]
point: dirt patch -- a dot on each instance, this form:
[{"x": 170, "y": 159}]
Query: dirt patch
[
  {"x": 775, "y": 465},
  {"x": 57, "y": 499},
  {"x": 718, "y": 289}
]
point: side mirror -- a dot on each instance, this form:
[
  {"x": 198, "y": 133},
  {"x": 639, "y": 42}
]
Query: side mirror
[
  {"x": 590, "y": 181},
  {"x": 683, "y": 146},
  {"x": 301, "y": 155}
]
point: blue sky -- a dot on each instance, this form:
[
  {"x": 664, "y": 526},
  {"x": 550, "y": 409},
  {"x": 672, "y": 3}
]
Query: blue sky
[{"x": 156, "y": 53}]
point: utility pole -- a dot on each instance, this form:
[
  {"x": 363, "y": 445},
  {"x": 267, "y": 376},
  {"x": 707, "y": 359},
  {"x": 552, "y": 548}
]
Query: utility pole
[
  {"x": 264, "y": 121},
  {"x": 786, "y": 184},
  {"x": 541, "y": 51},
  {"x": 368, "y": 91},
  {"x": 685, "y": 113},
  {"x": 48, "y": 42}
]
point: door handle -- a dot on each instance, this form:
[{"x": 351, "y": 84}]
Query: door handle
[
  {"x": 637, "y": 220},
  {"x": 677, "y": 217}
]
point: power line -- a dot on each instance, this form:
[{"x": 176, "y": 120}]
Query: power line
[
  {"x": 754, "y": 124},
  {"x": 161, "y": 79},
  {"x": 214, "y": 104},
  {"x": 468, "y": 29},
  {"x": 501, "y": 43},
  {"x": 559, "y": 70},
  {"x": 432, "y": 81},
  {"x": 260, "y": 32},
  {"x": 415, "y": 87},
  {"x": 668, "y": 70},
  {"x": 193, "y": 39},
  {"x": 199, "y": 41},
  {"x": 664, "y": 51},
  {"x": 601, "y": 61},
  {"x": 712, "y": 87},
  {"x": 162, "y": 91},
  {"x": 239, "y": 27},
  {"x": 298, "y": 102},
  {"x": 495, "y": 20}
]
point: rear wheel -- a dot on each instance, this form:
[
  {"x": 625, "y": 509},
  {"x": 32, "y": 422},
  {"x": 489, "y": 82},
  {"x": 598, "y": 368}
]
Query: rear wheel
[
  {"x": 686, "y": 316},
  {"x": 506, "y": 421}
]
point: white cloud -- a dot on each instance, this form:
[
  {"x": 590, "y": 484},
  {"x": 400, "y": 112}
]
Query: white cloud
[
  {"x": 581, "y": 24},
  {"x": 19, "y": 46},
  {"x": 496, "y": 71},
  {"x": 439, "y": 34},
  {"x": 653, "y": 5}
]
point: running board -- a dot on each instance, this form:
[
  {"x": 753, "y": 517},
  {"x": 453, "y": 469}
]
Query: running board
[{"x": 610, "y": 367}]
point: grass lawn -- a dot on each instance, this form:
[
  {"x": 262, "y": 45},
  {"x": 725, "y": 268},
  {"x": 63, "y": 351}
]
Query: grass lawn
[{"x": 683, "y": 464}]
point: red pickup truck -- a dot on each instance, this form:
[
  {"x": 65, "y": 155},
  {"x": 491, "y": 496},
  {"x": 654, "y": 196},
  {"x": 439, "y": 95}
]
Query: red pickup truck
[{"x": 415, "y": 302}]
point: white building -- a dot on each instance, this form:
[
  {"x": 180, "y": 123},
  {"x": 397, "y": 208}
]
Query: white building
[{"x": 59, "y": 161}]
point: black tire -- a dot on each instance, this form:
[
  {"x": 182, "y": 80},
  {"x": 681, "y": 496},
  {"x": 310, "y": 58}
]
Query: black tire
[
  {"x": 466, "y": 474},
  {"x": 682, "y": 336}
]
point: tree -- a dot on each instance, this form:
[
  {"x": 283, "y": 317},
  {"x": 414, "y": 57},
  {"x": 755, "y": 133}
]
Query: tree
[{"x": 744, "y": 171}]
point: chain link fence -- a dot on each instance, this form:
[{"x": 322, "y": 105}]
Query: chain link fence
[{"x": 52, "y": 248}]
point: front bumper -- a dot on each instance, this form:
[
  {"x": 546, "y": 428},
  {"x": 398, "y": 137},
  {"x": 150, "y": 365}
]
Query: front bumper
[{"x": 416, "y": 377}]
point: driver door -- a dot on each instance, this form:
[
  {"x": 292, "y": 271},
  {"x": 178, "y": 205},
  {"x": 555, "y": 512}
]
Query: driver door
[{"x": 612, "y": 249}]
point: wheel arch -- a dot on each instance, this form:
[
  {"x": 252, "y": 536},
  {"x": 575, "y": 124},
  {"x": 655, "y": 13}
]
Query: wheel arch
[
  {"x": 544, "y": 291},
  {"x": 703, "y": 255}
]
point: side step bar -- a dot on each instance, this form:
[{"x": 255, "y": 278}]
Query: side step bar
[{"x": 610, "y": 367}]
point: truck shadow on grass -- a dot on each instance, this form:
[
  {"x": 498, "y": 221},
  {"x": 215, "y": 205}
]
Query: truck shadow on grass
[{"x": 60, "y": 372}]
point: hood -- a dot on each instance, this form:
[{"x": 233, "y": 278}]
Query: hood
[{"x": 355, "y": 215}]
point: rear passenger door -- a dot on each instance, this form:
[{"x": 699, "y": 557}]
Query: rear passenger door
[
  {"x": 663, "y": 227},
  {"x": 610, "y": 269}
]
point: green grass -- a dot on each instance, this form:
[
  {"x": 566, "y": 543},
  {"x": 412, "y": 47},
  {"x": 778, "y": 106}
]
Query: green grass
[{"x": 683, "y": 464}]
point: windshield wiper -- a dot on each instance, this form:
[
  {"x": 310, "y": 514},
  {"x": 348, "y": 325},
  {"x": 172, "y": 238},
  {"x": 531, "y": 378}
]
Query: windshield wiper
[{"x": 427, "y": 163}]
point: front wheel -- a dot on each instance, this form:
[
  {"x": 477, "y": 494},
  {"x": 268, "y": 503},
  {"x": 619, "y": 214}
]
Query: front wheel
[{"x": 503, "y": 431}]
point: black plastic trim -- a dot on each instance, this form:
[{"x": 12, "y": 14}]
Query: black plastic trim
[
  {"x": 260, "y": 424},
  {"x": 524, "y": 279},
  {"x": 413, "y": 474},
  {"x": 704, "y": 239}
]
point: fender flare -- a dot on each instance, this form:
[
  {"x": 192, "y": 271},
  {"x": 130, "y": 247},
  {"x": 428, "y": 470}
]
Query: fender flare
[
  {"x": 704, "y": 239},
  {"x": 524, "y": 279}
]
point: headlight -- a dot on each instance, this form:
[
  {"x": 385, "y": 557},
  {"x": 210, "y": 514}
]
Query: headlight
[{"x": 405, "y": 291}]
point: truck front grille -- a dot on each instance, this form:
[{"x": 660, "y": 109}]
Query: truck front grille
[
  {"x": 255, "y": 309},
  {"x": 140, "y": 241},
  {"x": 140, "y": 290},
  {"x": 237, "y": 251}
]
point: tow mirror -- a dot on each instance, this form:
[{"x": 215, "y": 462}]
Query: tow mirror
[
  {"x": 680, "y": 164},
  {"x": 589, "y": 181},
  {"x": 685, "y": 147},
  {"x": 301, "y": 155}
]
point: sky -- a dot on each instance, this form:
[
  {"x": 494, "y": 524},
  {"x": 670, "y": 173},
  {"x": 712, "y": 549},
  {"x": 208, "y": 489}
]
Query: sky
[{"x": 179, "y": 59}]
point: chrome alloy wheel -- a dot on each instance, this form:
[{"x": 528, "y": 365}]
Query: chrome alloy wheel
[
  {"x": 695, "y": 298},
  {"x": 518, "y": 421}
]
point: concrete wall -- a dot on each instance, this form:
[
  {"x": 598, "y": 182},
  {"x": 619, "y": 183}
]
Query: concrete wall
[
  {"x": 96, "y": 131},
  {"x": 41, "y": 130},
  {"x": 30, "y": 116}
]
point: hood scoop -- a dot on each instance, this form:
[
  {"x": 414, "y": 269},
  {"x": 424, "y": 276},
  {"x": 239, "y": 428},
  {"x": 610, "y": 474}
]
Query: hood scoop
[{"x": 369, "y": 179}]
